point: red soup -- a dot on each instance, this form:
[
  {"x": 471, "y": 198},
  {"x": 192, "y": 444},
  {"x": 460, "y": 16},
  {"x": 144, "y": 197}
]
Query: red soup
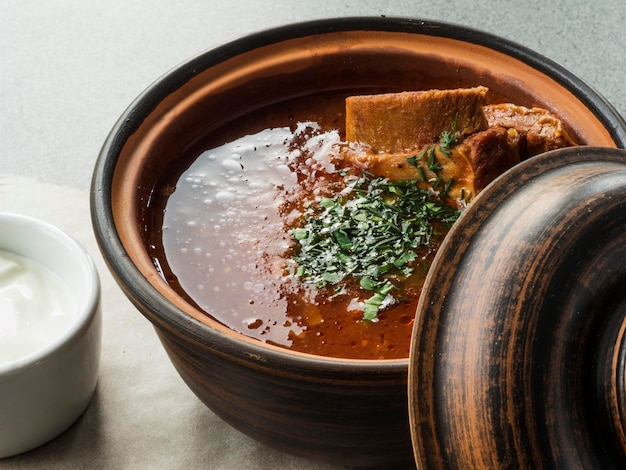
[
  {"x": 226, "y": 238},
  {"x": 268, "y": 230}
]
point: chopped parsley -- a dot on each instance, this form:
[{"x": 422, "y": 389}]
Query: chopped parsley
[
  {"x": 366, "y": 233},
  {"x": 447, "y": 139}
]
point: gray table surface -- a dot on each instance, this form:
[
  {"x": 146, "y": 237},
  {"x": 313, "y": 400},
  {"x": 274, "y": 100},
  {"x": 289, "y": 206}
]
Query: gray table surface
[{"x": 67, "y": 71}]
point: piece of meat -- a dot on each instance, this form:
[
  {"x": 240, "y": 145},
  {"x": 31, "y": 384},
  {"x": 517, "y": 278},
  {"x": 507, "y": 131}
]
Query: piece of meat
[
  {"x": 490, "y": 154},
  {"x": 406, "y": 121},
  {"x": 461, "y": 171},
  {"x": 397, "y": 135},
  {"x": 395, "y": 166},
  {"x": 539, "y": 129}
]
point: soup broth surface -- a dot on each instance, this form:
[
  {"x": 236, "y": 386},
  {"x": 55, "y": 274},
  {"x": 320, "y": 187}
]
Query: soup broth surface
[{"x": 225, "y": 240}]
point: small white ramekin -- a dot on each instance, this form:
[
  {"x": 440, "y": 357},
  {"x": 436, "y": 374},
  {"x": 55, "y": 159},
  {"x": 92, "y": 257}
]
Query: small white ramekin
[{"x": 43, "y": 393}]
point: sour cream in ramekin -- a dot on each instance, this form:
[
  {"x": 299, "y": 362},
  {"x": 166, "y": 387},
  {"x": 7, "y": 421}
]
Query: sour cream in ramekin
[
  {"x": 36, "y": 307},
  {"x": 50, "y": 332}
]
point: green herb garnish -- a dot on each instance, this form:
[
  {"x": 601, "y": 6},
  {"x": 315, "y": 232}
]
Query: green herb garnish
[
  {"x": 367, "y": 233},
  {"x": 446, "y": 140}
]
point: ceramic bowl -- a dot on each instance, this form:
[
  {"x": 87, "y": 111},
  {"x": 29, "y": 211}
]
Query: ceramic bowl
[
  {"x": 44, "y": 389},
  {"x": 350, "y": 412},
  {"x": 519, "y": 350}
]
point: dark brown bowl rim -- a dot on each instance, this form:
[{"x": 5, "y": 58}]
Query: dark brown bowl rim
[{"x": 143, "y": 293}]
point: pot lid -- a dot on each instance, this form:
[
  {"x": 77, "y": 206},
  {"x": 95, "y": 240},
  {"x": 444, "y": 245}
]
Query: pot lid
[{"x": 518, "y": 357}]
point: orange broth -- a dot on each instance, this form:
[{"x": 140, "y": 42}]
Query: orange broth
[{"x": 224, "y": 239}]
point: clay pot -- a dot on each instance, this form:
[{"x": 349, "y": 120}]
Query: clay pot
[{"x": 348, "y": 412}]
